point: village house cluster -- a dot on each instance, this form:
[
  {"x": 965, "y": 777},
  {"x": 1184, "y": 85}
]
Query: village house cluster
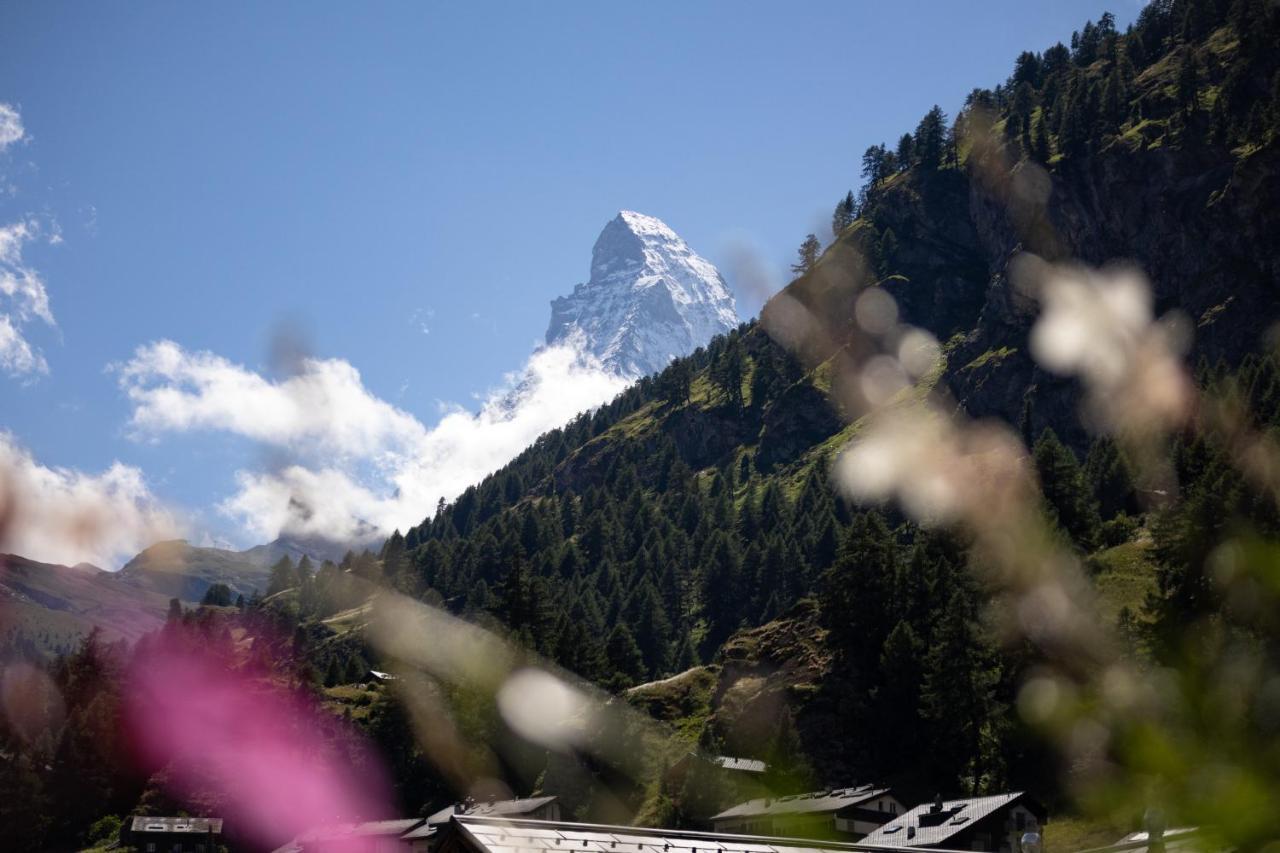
[{"x": 856, "y": 818}]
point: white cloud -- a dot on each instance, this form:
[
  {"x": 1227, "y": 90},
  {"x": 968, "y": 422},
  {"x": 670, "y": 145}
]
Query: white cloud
[
  {"x": 23, "y": 297},
  {"x": 21, "y": 285},
  {"x": 17, "y": 357},
  {"x": 324, "y": 408},
  {"x": 359, "y": 462},
  {"x": 303, "y": 502},
  {"x": 61, "y": 515},
  {"x": 11, "y": 129}
]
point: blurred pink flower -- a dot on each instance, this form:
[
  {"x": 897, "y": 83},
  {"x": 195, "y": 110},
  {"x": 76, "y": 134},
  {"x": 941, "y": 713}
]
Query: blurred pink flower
[{"x": 257, "y": 750}]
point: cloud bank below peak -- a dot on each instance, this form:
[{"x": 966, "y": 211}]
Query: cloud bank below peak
[{"x": 358, "y": 466}]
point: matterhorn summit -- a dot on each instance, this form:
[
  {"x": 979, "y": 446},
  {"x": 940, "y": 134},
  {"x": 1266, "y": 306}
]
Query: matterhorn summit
[{"x": 650, "y": 299}]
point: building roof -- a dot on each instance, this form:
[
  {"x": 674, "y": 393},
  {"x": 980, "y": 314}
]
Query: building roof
[
  {"x": 933, "y": 828},
  {"x": 354, "y": 830},
  {"x": 1182, "y": 838},
  {"x": 493, "y": 808},
  {"x": 196, "y": 825},
  {"x": 811, "y": 803},
  {"x": 425, "y": 831},
  {"x": 504, "y": 835},
  {"x": 749, "y": 765}
]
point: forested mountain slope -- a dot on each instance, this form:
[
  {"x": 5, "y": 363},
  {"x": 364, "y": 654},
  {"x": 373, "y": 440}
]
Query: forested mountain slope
[{"x": 698, "y": 501}]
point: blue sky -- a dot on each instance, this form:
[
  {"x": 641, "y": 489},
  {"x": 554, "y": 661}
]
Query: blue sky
[{"x": 405, "y": 186}]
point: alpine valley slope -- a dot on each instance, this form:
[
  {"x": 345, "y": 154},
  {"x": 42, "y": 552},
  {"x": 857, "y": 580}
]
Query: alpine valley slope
[
  {"x": 650, "y": 299},
  {"x": 691, "y": 518}
]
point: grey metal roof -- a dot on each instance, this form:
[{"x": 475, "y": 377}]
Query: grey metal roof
[
  {"x": 1182, "y": 838},
  {"x": 504, "y": 835},
  {"x": 815, "y": 802},
  {"x": 965, "y": 813},
  {"x": 198, "y": 825},
  {"x": 750, "y": 765},
  {"x": 494, "y": 808},
  {"x": 425, "y": 831},
  {"x": 369, "y": 828}
]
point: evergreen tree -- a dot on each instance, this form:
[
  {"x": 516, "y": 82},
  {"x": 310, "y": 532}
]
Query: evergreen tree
[
  {"x": 1070, "y": 501},
  {"x": 1108, "y": 477},
  {"x": 808, "y": 255},
  {"x": 898, "y": 697},
  {"x": 332, "y": 673},
  {"x": 904, "y": 155},
  {"x": 857, "y": 592},
  {"x": 675, "y": 382},
  {"x": 1040, "y": 142},
  {"x": 625, "y": 657},
  {"x": 958, "y": 698},
  {"x": 217, "y": 595},
  {"x": 282, "y": 577},
  {"x": 845, "y": 214},
  {"x": 930, "y": 139},
  {"x": 728, "y": 372}
]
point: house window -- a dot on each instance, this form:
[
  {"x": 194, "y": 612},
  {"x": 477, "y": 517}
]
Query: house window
[{"x": 151, "y": 847}]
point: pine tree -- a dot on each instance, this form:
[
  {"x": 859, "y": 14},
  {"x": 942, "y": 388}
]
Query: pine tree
[
  {"x": 332, "y": 674},
  {"x": 282, "y": 577},
  {"x": 857, "y": 592},
  {"x": 898, "y": 698},
  {"x": 1108, "y": 477},
  {"x": 722, "y": 589},
  {"x": 217, "y": 595},
  {"x": 904, "y": 155},
  {"x": 1069, "y": 499},
  {"x": 808, "y": 255},
  {"x": 728, "y": 372},
  {"x": 930, "y": 139},
  {"x": 957, "y": 697},
  {"x": 1040, "y": 142},
  {"x": 675, "y": 382},
  {"x": 845, "y": 214},
  {"x": 625, "y": 657}
]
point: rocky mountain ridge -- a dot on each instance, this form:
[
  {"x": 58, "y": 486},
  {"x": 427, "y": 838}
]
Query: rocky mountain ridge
[{"x": 649, "y": 299}]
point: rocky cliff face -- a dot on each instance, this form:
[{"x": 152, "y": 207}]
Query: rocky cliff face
[
  {"x": 649, "y": 299},
  {"x": 1198, "y": 220},
  {"x": 1195, "y": 220}
]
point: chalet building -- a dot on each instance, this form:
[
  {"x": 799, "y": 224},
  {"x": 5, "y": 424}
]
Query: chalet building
[
  {"x": 376, "y": 836},
  {"x": 467, "y": 834},
  {"x": 994, "y": 824},
  {"x": 837, "y": 814},
  {"x": 534, "y": 808},
  {"x": 174, "y": 834},
  {"x": 722, "y": 779},
  {"x": 413, "y": 835}
]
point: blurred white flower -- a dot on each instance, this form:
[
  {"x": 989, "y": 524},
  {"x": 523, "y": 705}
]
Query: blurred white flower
[
  {"x": 876, "y": 311},
  {"x": 542, "y": 708},
  {"x": 1098, "y": 325}
]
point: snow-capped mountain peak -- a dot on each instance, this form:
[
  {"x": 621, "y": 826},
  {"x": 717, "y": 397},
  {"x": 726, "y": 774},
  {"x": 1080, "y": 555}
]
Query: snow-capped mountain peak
[{"x": 650, "y": 298}]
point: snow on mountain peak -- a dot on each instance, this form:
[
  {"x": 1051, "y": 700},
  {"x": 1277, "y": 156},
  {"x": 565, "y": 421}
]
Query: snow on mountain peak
[{"x": 650, "y": 299}]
